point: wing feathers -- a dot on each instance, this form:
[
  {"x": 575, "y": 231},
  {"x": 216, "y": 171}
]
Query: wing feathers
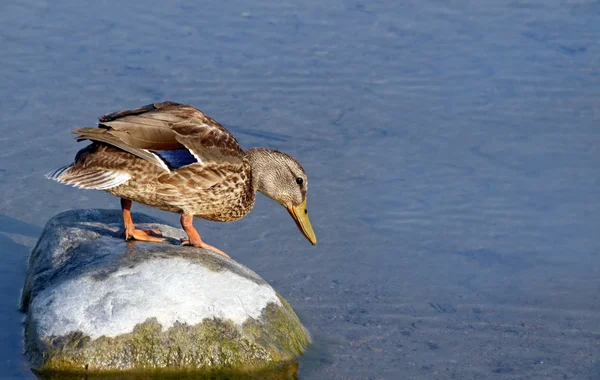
[
  {"x": 115, "y": 115},
  {"x": 177, "y": 158},
  {"x": 105, "y": 136},
  {"x": 164, "y": 127}
]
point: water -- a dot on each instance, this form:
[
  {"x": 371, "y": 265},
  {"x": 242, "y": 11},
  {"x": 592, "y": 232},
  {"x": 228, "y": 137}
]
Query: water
[{"x": 452, "y": 150}]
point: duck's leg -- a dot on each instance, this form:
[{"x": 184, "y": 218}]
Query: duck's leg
[
  {"x": 131, "y": 232},
  {"x": 187, "y": 222}
]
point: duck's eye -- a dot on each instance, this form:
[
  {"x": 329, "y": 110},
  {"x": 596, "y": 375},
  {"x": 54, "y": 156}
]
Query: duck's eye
[{"x": 299, "y": 181}]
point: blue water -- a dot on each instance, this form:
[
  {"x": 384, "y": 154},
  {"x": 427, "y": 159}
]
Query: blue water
[{"x": 452, "y": 149}]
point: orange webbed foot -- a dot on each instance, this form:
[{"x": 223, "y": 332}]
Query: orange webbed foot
[
  {"x": 194, "y": 237},
  {"x": 143, "y": 235},
  {"x": 200, "y": 244}
]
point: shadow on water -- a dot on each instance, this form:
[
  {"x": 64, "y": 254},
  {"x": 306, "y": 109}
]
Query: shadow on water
[
  {"x": 315, "y": 358},
  {"x": 15, "y": 226},
  {"x": 13, "y": 266}
]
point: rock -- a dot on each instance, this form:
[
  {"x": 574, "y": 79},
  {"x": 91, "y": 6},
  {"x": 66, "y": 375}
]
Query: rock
[{"x": 97, "y": 304}]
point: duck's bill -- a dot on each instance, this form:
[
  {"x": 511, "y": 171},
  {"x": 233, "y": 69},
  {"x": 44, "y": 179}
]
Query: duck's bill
[{"x": 300, "y": 215}]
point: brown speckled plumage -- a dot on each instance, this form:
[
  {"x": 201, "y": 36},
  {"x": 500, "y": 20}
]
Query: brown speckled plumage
[
  {"x": 218, "y": 189},
  {"x": 219, "y": 184},
  {"x": 215, "y": 192}
]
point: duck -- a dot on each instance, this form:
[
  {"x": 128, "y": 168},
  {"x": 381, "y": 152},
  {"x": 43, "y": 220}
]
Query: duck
[{"x": 173, "y": 157}]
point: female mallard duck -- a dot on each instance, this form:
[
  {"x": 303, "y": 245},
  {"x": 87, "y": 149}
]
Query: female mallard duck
[{"x": 173, "y": 157}]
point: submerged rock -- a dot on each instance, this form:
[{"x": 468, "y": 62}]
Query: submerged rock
[{"x": 99, "y": 304}]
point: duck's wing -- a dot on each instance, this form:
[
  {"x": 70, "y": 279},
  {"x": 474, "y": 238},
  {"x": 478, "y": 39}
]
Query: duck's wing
[{"x": 169, "y": 135}]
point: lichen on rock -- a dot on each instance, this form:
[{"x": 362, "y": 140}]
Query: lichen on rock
[{"x": 96, "y": 304}]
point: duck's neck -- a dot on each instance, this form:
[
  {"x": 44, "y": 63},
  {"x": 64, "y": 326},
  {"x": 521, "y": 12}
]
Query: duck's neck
[{"x": 260, "y": 159}]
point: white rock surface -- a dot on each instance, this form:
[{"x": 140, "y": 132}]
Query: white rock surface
[{"x": 170, "y": 289}]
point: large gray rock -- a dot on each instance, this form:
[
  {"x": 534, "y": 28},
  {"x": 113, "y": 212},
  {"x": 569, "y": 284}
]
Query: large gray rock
[{"x": 96, "y": 303}]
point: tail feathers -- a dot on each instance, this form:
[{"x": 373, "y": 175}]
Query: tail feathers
[
  {"x": 95, "y": 179},
  {"x": 55, "y": 174}
]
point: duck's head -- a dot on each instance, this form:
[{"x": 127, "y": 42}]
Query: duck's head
[{"x": 280, "y": 177}]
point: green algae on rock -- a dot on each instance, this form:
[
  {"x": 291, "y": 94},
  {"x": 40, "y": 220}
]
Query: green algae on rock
[
  {"x": 96, "y": 304},
  {"x": 281, "y": 371}
]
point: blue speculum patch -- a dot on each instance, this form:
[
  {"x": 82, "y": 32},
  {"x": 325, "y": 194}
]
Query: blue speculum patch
[{"x": 176, "y": 158}]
